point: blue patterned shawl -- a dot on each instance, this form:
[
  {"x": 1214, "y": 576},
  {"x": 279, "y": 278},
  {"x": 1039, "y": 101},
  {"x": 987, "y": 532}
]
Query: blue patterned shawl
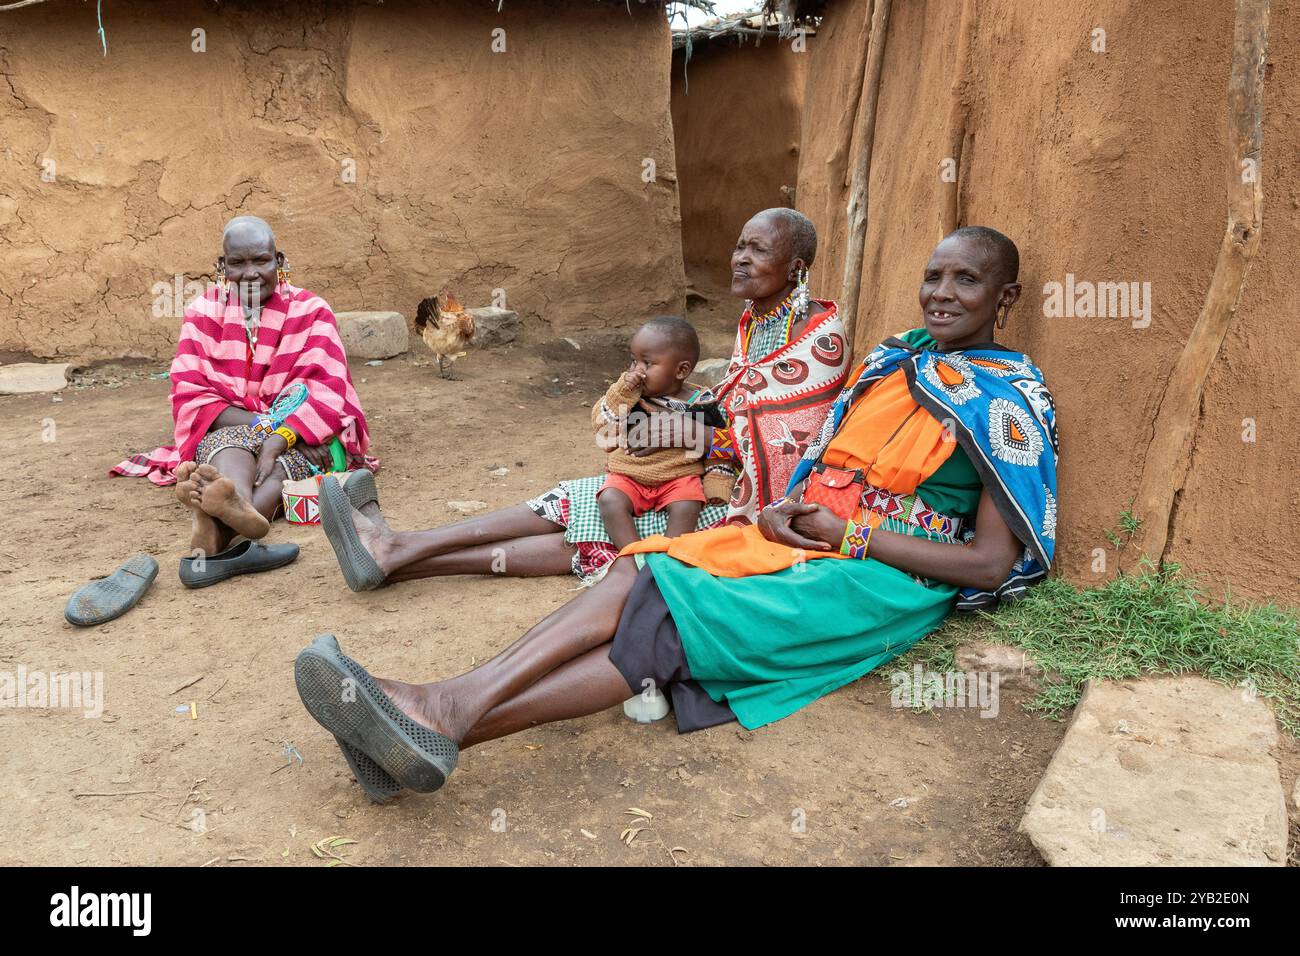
[{"x": 1003, "y": 417}]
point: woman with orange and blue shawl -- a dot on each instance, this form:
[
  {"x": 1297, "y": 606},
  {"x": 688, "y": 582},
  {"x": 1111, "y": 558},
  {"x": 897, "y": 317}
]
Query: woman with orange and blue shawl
[{"x": 953, "y": 439}]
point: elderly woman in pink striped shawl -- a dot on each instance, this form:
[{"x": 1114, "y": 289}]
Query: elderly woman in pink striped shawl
[{"x": 242, "y": 343}]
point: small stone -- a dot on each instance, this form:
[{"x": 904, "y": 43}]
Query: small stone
[
  {"x": 373, "y": 335},
  {"x": 493, "y": 326},
  {"x": 574, "y": 343},
  {"x": 467, "y": 507},
  {"x": 499, "y": 472},
  {"x": 374, "y": 362},
  {"x": 710, "y": 371},
  {"x": 1014, "y": 666},
  {"x": 23, "y": 378}
]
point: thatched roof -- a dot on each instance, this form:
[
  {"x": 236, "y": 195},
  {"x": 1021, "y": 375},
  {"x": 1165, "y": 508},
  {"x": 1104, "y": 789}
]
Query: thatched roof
[
  {"x": 737, "y": 29},
  {"x": 779, "y": 17}
]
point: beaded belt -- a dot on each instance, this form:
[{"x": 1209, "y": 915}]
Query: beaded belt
[{"x": 910, "y": 509}]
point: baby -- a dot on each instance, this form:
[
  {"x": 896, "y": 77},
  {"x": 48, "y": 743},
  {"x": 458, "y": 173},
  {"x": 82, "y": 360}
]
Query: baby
[{"x": 664, "y": 353}]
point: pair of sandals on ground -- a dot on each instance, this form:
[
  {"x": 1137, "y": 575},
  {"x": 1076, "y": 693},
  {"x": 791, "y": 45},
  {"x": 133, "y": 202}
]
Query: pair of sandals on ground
[{"x": 107, "y": 598}]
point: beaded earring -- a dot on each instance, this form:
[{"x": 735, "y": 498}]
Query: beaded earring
[
  {"x": 282, "y": 274},
  {"x": 801, "y": 295},
  {"x": 222, "y": 285}
]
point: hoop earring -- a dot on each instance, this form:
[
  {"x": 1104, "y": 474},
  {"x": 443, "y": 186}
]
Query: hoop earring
[{"x": 222, "y": 284}]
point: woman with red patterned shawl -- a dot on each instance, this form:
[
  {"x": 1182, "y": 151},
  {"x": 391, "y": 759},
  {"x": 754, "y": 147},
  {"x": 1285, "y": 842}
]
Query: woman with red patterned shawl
[{"x": 241, "y": 344}]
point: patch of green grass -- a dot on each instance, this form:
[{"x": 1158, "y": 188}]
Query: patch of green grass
[{"x": 1149, "y": 622}]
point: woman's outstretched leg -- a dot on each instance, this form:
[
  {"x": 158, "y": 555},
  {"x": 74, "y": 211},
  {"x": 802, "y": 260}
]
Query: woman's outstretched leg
[
  {"x": 585, "y": 685},
  {"x": 539, "y": 555},
  {"x": 454, "y": 707},
  {"x": 512, "y": 541}
]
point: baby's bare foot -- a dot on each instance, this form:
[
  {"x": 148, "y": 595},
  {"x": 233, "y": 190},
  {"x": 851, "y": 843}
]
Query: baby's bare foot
[{"x": 222, "y": 500}]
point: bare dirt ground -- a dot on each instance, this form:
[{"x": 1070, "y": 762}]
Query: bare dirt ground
[{"x": 128, "y": 787}]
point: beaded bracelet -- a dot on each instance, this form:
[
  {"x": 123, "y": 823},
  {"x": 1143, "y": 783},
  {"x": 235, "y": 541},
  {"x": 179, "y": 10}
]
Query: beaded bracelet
[
  {"x": 857, "y": 539},
  {"x": 263, "y": 426},
  {"x": 290, "y": 439}
]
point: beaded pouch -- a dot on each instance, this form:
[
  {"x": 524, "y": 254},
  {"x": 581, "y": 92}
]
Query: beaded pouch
[{"x": 839, "y": 489}]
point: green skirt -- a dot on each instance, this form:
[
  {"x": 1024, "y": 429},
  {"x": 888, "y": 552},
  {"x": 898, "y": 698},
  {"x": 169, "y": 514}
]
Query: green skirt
[{"x": 769, "y": 644}]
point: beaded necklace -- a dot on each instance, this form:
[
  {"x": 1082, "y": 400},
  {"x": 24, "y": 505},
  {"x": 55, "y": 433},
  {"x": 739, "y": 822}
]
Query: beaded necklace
[{"x": 783, "y": 312}]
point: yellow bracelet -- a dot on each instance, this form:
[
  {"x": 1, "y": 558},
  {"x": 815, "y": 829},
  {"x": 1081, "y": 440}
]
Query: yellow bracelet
[{"x": 287, "y": 434}]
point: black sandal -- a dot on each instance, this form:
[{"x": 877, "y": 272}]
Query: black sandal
[
  {"x": 345, "y": 700},
  {"x": 110, "y": 597}
]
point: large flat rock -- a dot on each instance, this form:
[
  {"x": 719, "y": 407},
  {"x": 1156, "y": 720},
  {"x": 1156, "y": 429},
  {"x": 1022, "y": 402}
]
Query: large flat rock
[
  {"x": 1175, "y": 771},
  {"x": 21, "y": 378},
  {"x": 373, "y": 335}
]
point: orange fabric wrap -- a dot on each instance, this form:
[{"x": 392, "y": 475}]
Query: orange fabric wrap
[
  {"x": 732, "y": 551},
  {"x": 877, "y": 433},
  {"x": 915, "y": 453}
]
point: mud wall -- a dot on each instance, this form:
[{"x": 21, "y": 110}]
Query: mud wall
[
  {"x": 393, "y": 150},
  {"x": 1109, "y": 166},
  {"x": 736, "y": 113}
]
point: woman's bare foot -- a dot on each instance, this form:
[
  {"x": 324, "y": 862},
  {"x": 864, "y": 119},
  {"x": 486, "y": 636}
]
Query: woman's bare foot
[
  {"x": 376, "y": 517},
  {"x": 206, "y": 534},
  {"x": 219, "y": 498},
  {"x": 425, "y": 705},
  {"x": 377, "y": 538}
]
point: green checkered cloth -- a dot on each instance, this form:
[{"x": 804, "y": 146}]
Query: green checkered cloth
[
  {"x": 766, "y": 338},
  {"x": 585, "y": 523}
]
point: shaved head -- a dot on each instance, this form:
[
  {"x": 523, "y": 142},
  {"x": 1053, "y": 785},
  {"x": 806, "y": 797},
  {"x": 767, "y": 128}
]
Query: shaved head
[
  {"x": 798, "y": 231},
  {"x": 1000, "y": 253},
  {"x": 248, "y": 229},
  {"x": 679, "y": 334}
]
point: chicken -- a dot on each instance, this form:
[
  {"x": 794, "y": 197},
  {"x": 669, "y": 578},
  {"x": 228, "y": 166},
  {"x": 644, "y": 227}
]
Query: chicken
[{"x": 445, "y": 329}]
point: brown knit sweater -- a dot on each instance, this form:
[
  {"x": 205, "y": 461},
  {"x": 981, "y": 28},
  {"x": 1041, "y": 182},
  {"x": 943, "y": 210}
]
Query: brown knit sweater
[{"x": 608, "y": 418}]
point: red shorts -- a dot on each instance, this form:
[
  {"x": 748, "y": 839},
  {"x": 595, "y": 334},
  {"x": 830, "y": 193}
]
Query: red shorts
[{"x": 655, "y": 497}]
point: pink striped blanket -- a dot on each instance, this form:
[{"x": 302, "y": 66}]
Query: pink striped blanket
[{"x": 297, "y": 341}]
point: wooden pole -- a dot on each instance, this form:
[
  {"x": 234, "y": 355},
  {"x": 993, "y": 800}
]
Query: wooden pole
[
  {"x": 1169, "y": 456},
  {"x": 951, "y": 215},
  {"x": 838, "y": 176},
  {"x": 858, "y": 194}
]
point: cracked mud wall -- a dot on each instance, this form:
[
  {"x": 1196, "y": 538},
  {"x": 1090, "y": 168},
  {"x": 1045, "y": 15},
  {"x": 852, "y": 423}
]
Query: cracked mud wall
[
  {"x": 474, "y": 170},
  {"x": 736, "y": 114},
  {"x": 1110, "y": 166}
]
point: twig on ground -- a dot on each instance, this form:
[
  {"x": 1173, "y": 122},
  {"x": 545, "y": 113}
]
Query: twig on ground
[{"x": 120, "y": 792}]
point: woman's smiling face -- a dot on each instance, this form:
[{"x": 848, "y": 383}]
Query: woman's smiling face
[
  {"x": 962, "y": 288},
  {"x": 250, "y": 260}
]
